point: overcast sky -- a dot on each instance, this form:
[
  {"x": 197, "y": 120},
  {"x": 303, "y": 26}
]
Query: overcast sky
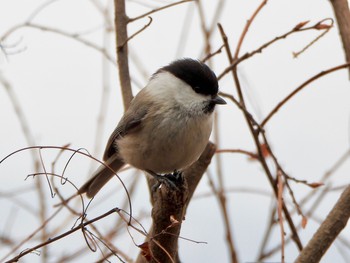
[{"x": 58, "y": 84}]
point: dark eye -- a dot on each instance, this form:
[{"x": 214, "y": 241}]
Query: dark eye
[{"x": 196, "y": 89}]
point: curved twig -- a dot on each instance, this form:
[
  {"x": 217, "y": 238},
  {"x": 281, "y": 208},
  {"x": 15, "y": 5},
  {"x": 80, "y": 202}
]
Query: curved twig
[{"x": 285, "y": 100}]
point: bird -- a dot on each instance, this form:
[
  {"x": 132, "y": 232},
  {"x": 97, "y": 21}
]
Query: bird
[{"x": 167, "y": 125}]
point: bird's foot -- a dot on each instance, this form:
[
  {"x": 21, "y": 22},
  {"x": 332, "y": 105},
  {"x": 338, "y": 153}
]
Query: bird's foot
[{"x": 172, "y": 180}]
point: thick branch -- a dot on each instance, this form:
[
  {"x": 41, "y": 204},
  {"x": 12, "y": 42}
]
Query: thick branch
[
  {"x": 328, "y": 231},
  {"x": 342, "y": 13},
  {"x": 162, "y": 240},
  {"x": 121, "y": 22}
]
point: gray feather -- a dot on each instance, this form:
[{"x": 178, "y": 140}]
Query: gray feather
[
  {"x": 101, "y": 176},
  {"x": 131, "y": 122}
]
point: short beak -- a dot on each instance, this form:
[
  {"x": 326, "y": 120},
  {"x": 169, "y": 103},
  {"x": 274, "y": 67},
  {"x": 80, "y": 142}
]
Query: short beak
[{"x": 218, "y": 100}]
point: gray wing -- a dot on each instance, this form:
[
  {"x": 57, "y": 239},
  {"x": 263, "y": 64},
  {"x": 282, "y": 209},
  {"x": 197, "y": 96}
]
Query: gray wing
[{"x": 130, "y": 122}]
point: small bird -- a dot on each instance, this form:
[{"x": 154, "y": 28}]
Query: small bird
[{"x": 167, "y": 126}]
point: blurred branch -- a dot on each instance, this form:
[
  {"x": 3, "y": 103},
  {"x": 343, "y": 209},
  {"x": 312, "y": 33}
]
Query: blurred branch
[
  {"x": 280, "y": 212},
  {"x": 219, "y": 190},
  {"x": 54, "y": 239},
  {"x": 19, "y": 112},
  {"x": 217, "y": 15},
  {"x": 73, "y": 36},
  {"x": 18, "y": 246},
  {"x": 313, "y": 206},
  {"x": 106, "y": 83},
  {"x": 241, "y": 103},
  {"x": 205, "y": 31}
]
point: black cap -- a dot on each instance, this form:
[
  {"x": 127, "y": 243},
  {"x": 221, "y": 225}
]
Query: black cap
[{"x": 195, "y": 73}]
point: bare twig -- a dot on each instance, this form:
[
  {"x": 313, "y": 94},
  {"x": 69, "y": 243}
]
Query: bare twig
[
  {"x": 321, "y": 195},
  {"x": 158, "y": 9},
  {"x": 39, "y": 9},
  {"x": 62, "y": 33},
  {"x": 51, "y": 240},
  {"x": 255, "y": 135},
  {"x": 210, "y": 55},
  {"x": 15, "y": 248},
  {"x": 280, "y": 211},
  {"x": 74, "y": 151},
  {"x": 246, "y": 28},
  {"x": 105, "y": 12},
  {"x": 299, "y": 28},
  {"x": 307, "y": 82},
  {"x": 317, "y": 26},
  {"x": 205, "y": 31},
  {"x": 250, "y": 154},
  {"x": 20, "y": 114},
  {"x": 137, "y": 32}
]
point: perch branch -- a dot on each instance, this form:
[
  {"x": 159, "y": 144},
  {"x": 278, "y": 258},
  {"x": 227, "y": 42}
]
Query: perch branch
[{"x": 169, "y": 207}]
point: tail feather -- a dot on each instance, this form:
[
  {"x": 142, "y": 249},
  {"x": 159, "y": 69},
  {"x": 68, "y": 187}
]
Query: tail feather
[{"x": 101, "y": 176}]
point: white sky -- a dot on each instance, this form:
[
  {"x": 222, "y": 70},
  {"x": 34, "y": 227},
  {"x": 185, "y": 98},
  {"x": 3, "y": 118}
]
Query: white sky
[{"x": 58, "y": 83}]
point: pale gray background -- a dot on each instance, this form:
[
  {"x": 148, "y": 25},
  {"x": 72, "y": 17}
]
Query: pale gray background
[{"x": 58, "y": 83}]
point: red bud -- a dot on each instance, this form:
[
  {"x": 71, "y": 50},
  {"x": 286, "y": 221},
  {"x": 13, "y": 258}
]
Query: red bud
[
  {"x": 304, "y": 222},
  {"x": 322, "y": 26},
  {"x": 315, "y": 184},
  {"x": 301, "y": 25}
]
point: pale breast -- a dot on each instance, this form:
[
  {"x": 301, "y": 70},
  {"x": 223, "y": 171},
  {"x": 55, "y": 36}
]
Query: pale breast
[{"x": 166, "y": 147}]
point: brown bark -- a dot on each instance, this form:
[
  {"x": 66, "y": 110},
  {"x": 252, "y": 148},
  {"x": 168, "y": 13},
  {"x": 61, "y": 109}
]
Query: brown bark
[
  {"x": 328, "y": 231},
  {"x": 342, "y": 14},
  {"x": 121, "y": 23},
  {"x": 162, "y": 241}
]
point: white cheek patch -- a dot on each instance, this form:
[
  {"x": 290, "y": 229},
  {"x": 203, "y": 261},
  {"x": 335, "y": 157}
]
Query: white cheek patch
[{"x": 165, "y": 86}]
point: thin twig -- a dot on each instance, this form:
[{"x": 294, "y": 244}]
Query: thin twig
[
  {"x": 260, "y": 49},
  {"x": 59, "y": 32},
  {"x": 15, "y": 248},
  {"x": 210, "y": 55},
  {"x": 280, "y": 211},
  {"x": 307, "y": 82},
  {"x": 106, "y": 85},
  {"x": 137, "y": 32},
  {"x": 157, "y": 10},
  {"x": 254, "y": 134},
  {"x": 77, "y": 152},
  {"x": 51, "y": 240},
  {"x": 327, "y": 29},
  {"x": 246, "y": 28},
  {"x": 250, "y": 154}
]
